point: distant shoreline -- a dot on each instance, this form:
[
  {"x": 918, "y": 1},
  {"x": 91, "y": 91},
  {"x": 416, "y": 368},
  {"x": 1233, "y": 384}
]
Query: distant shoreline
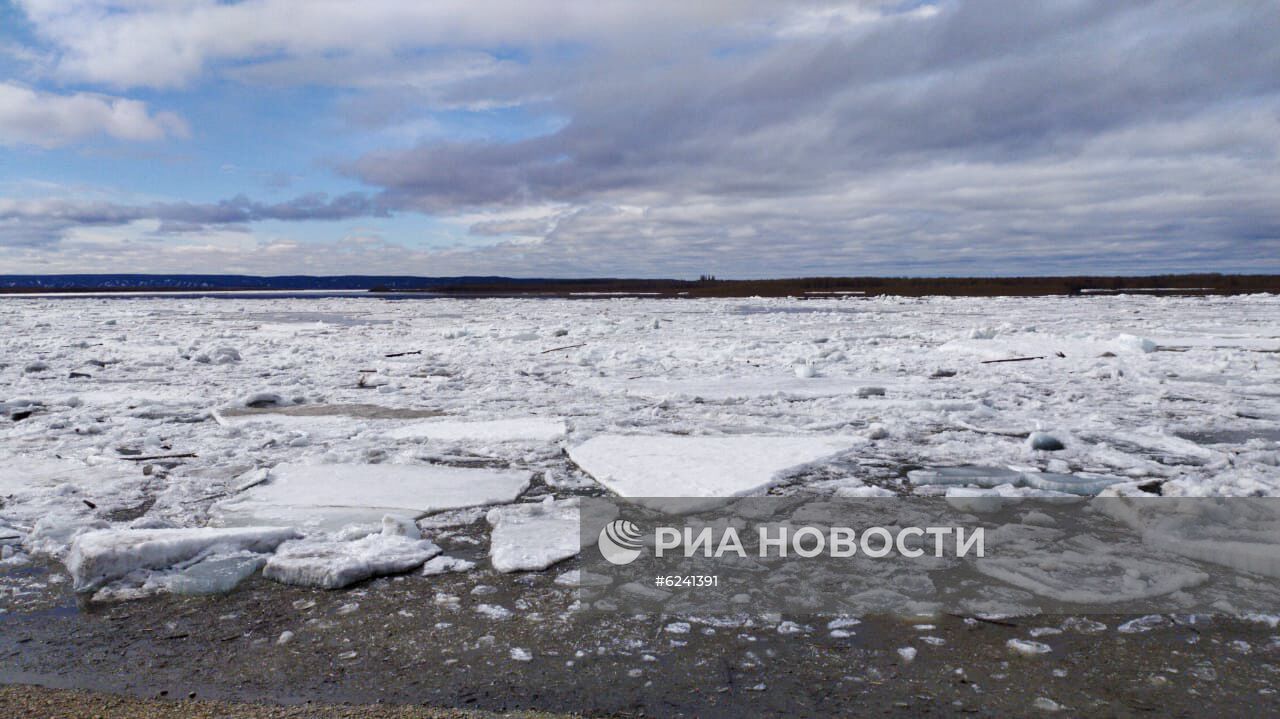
[{"x": 477, "y": 287}]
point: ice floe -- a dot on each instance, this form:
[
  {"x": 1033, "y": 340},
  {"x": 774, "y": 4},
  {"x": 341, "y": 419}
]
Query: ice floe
[
  {"x": 533, "y": 536},
  {"x": 98, "y": 557},
  {"x": 334, "y": 495},
  {"x": 531, "y": 429},
  {"x": 333, "y": 563},
  {"x": 638, "y": 466}
]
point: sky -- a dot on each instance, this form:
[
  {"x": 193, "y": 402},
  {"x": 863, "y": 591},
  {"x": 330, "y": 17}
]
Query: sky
[{"x": 572, "y": 138}]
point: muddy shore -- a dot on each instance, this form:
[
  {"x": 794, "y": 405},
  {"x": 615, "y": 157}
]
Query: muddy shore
[{"x": 418, "y": 640}]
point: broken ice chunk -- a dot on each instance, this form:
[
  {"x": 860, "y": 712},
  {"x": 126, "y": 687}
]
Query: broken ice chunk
[
  {"x": 102, "y": 556},
  {"x": 1044, "y": 442},
  {"x": 334, "y": 564},
  {"x": 442, "y": 565},
  {"x": 533, "y": 536},
  {"x": 988, "y": 477},
  {"x": 215, "y": 575},
  {"x": 1083, "y": 484},
  {"x": 979, "y": 476}
]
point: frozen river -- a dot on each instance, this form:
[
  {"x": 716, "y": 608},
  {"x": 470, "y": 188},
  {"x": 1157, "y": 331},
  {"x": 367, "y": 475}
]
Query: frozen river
[
  {"x": 276, "y": 449},
  {"x": 289, "y": 428}
]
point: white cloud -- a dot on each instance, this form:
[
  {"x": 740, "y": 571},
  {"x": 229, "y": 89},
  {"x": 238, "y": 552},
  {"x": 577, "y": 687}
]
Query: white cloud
[
  {"x": 130, "y": 43},
  {"x": 31, "y": 117}
]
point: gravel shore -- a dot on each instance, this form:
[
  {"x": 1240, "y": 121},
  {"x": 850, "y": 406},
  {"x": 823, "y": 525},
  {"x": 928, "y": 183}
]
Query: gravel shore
[{"x": 33, "y": 701}]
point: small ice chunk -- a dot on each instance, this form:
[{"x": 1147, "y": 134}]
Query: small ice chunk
[
  {"x": 98, "y": 557},
  {"x": 1028, "y": 648},
  {"x": 1143, "y": 624},
  {"x": 520, "y": 654},
  {"x": 1045, "y": 704},
  {"x": 285, "y": 637},
  {"x": 1045, "y": 442},
  {"x": 533, "y": 536},
  {"x": 493, "y": 611},
  {"x": 678, "y": 628},
  {"x": 263, "y": 399},
  {"x": 443, "y": 565},
  {"x": 908, "y": 654}
]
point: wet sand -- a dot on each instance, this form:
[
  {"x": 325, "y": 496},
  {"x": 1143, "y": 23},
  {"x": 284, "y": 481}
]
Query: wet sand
[{"x": 394, "y": 642}]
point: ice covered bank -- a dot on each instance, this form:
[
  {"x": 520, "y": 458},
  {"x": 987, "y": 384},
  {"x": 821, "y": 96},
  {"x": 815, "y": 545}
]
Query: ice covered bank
[{"x": 331, "y": 496}]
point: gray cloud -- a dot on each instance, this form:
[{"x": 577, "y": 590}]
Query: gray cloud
[
  {"x": 1036, "y": 135},
  {"x": 37, "y": 222},
  {"x": 760, "y": 138}
]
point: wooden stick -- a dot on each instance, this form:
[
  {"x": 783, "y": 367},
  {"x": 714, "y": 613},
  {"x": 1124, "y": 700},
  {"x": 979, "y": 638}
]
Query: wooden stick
[
  {"x": 402, "y": 354},
  {"x": 1015, "y": 359},
  {"x": 566, "y": 347},
  {"x": 184, "y": 455}
]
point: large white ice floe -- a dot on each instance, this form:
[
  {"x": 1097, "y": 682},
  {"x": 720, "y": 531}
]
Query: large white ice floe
[
  {"x": 988, "y": 477},
  {"x": 331, "y": 496},
  {"x": 638, "y": 466},
  {"x": 530, "y": 429},
  {"x": 102, "y": 556},
  {"x": 534, "y": 536},
  {"x": 333, "y": 564}
]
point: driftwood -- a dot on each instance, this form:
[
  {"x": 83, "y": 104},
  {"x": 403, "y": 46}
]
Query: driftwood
[
  {"x": 403, "y": 354},
  {"x": 184, "y": 455},
  {"x": 1014, "y": 359},
  {"x": 566, "y": 347}
]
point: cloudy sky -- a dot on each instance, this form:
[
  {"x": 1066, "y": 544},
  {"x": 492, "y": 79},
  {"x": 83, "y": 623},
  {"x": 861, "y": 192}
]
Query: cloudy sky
[{"x": 747, "y": 138}]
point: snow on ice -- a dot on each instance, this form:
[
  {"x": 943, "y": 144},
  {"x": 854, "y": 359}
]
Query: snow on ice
[
  {"x": 639, "y": 466},
  {"x": 333, "y": 495},
  {"x": 532, "y": 429},
  {"x": 533, "y": 536},
  {"x": 289, "y": 413},
  {"x": 333, "y": 563}
]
